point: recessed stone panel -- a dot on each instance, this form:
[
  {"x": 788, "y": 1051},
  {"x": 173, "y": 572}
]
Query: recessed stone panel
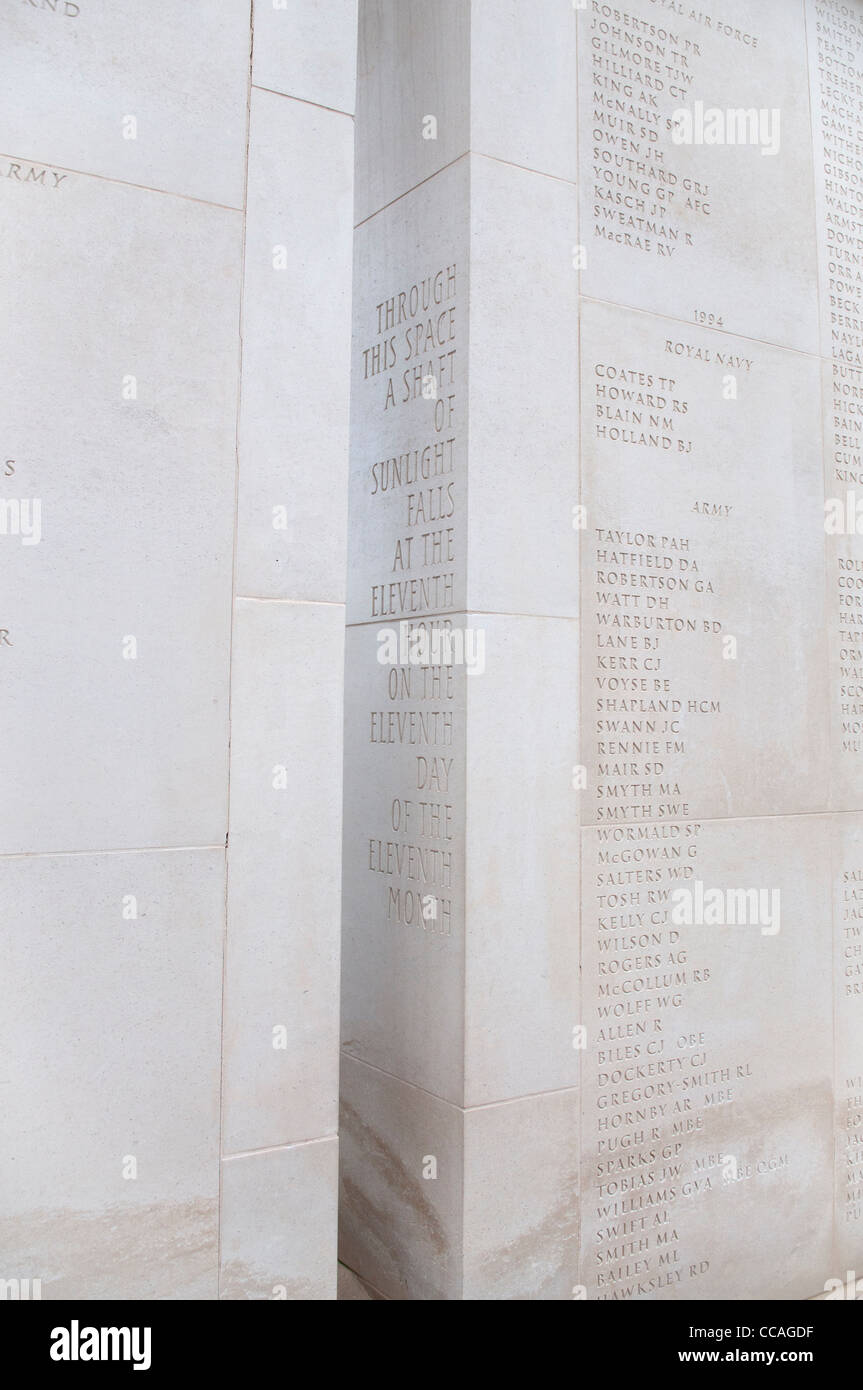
[
  {"x": 847, "y": 838},
  {"x": 835, "y": 43},
  {"x": 842, "y": 393},
  {"x": 704, "y": 679},
  {"x": 695, "y": 165},
  {"x": 707, "y": 1077}
]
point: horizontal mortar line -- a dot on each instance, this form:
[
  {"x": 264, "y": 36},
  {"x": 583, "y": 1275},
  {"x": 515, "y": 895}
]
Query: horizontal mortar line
[
  {"x": 363, "y": 1280},
  {"x": 306, "y": 101},
  {"x": 417, "y": 617},
  {"x": 457, "y": 612},
  {"x": 717, "y": 820},
  {"x": 525, "y": 168},
  {"x": 280, "y": 1148},
  {"x": 125, "y": 183},
  {"x": 516, "y": 1100},
  {"x": 313, "y": 602},
  {"x": 410, "y": 190},
  {"x": 699, "y": 327},
  {"x": 506, "y": 613},
  {"x": 612, "y": 303},
  {"x": 73, "y": 853},
  {"x": 484, "y": 1105},
  {"x": 479, "y": 154}
]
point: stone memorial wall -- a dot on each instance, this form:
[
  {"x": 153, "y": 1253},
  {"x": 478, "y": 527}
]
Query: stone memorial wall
[
  {"x": 433, "y": 590},
  {"x": 601, "y": 982}
]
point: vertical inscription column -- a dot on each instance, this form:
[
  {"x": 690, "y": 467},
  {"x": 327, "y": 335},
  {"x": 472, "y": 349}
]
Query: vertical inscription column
[
  {"x": 835, "y": 38},
  {"x": 459, "y": 1109},
  {"x": 706, "y": 905},
  {"x": 403, "y": 897}
]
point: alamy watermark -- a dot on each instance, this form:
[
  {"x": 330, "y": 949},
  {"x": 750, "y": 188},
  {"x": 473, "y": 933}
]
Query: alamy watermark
[
  {"x": 20, "y": 1290},
  {"x": 21, "y": 517},
  {"x": 844, "y": 516},
  {"x": 77, "y": 1343},
  {"x": 727, "y": 907},
  {"x": 710, "y": 125},
  {"x": 441, "y": 646}
]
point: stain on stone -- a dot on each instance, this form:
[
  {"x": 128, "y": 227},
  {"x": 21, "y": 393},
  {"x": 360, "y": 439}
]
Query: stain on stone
[
  {"x": 164, "y": 1250},
  {"x": 396, "y": 1177}
]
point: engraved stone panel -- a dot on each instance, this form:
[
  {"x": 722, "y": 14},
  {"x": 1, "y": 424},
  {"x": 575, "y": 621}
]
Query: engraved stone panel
[
  {"x": 403, "y": 865},
  {"x": 716, "y": 230},
  {"x": 149, "y": 92},
  {"x": 842, "y": 392},
  {"x": 847, "y": 836},
  {"x": 835, "y": 44},
  {"x": 707, "y": 1109},
  {"x": 836, "y": 67},
  {"x": 403, "y": 940},
  {"x": 409, "y": 404},
  {"x": 703, "y": 522}
]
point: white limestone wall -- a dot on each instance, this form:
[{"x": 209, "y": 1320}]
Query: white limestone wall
[{"x": 150, "y": 169}]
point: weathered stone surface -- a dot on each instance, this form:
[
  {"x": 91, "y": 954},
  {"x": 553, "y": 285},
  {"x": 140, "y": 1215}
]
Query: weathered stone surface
[{"x": 110, "y": 1031}]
